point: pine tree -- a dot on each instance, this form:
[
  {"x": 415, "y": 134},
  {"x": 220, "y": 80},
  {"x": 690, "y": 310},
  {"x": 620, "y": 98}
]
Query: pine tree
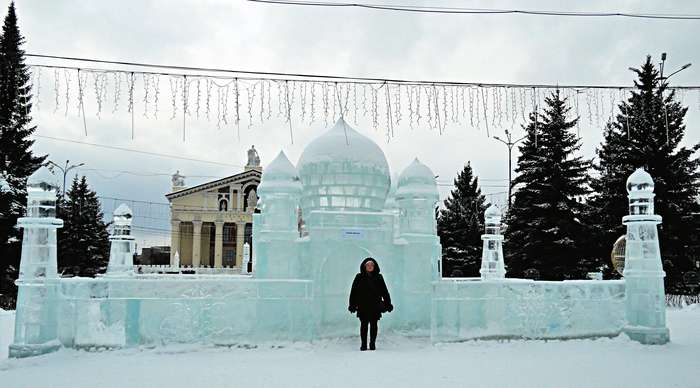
[
  {"x": 638, "y": 137},
  {"x": 460, "y": 226},
  {"x": 83, "y": 246},
  {"x": 17, "y": 162},
  {"x": 544, "y": 230}
]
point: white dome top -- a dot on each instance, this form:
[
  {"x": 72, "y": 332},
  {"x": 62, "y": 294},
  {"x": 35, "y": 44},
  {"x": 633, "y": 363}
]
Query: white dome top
[
  {"x": 279, "y": 176},
  {"x": 493, "y": 212},
  {"x": 640, "y": 180},
  {"x": 343, "y": 169},
  {"x": 417, "y": 180},
  {"x": 123, "y": 211}
]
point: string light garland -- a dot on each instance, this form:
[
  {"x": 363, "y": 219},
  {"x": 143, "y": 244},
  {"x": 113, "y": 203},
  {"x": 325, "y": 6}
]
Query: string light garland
[{"x": 442, "y": 103}]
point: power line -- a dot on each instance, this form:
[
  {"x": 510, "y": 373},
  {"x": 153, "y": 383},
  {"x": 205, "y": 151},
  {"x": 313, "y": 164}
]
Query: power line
[
  {"x": 481, "y": 11},
  {"x": 138, "y": 151},
  {"x": 301, "y": 76}
]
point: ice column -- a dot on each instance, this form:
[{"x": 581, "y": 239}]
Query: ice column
[
  {"x": 36, "y": 320},
  {"x": 492, "y": 253},
  {"x": 121, "y": 254},
  {"x": 645, "y": 304},
  {"x": 276, "y": 226}
]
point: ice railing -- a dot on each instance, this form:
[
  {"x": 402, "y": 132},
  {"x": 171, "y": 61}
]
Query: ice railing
[
  {"x": 517, "y": 308},
  {"x": 169, "y": 269}
]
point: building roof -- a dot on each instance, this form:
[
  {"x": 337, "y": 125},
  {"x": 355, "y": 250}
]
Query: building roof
[{"x": 253, "y": 173}]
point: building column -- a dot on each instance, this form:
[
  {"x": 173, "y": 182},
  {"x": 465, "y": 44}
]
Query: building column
[
  {"x": 218, "y": 244},
  {"x": 240, "y": 239},
  {"x": 196, "y": 243},
  {"x": 174, "y": 240},
  {"x": 239, "y": 199}
]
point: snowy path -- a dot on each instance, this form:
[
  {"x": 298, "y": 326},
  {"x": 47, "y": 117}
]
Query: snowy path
[{"x": 400, "y": 362}]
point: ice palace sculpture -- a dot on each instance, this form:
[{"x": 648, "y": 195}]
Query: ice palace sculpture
[{"x": 299, "y": 287}]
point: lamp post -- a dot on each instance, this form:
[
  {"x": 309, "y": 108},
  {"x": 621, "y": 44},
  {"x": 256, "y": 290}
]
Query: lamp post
[
  {"x": 509, "y": 143},
  {"x": 663, "y": 79},
  {"x": 50, "y": 164}
]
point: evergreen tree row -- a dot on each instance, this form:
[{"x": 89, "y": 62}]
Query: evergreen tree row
[{"x": 563, "y": 222}]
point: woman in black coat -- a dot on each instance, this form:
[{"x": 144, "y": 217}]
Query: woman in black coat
[{"x": 369, "y": 297}]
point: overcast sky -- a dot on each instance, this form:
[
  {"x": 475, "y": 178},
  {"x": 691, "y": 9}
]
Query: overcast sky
[{"x": 356, "y": 42}]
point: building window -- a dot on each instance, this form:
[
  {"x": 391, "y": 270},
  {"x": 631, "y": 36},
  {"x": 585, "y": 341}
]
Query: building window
[{"x": 223, "y": 205}]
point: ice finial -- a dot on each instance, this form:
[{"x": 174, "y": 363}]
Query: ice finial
[
  {"x": 640, "y": 180},
  {"x": 493, "y": 212}
]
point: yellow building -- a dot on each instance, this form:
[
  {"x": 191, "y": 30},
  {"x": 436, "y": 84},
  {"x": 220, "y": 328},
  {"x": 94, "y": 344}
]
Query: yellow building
[{"x": 212, "y": 221}]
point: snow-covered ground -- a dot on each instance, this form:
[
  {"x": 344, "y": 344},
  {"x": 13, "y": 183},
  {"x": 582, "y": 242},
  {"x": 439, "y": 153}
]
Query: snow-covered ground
[{"x": 399, "y": 362}]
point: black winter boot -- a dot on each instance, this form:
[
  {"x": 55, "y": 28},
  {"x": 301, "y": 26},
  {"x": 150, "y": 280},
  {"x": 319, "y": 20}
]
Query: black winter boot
[{"x": 372, "y": 335}]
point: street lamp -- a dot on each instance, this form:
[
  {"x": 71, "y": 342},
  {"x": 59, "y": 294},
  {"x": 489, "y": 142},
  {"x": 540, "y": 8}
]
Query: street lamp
[
  {"x": 509, "y": 143},
  {"x": 50, "y": 165},
  {"x": 665, "y": 80}
]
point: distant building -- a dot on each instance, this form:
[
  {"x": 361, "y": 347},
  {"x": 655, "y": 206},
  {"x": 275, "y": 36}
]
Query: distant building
[
  {"x": 211, "y": 222},
  {"x": 158, "y": 255}
]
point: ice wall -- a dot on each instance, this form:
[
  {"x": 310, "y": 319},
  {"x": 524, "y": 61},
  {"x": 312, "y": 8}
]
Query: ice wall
[
  {"x": 162, "y": 309},
  {"x": 516, "y": 308}
]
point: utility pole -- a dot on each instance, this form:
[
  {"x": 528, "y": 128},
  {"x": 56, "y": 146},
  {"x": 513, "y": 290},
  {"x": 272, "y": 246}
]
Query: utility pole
[
  {"x": 51, "y": 165},
  {"x": 509, "y": 143}
]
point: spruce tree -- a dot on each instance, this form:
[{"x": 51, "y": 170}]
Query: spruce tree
[
  {"x": 17, "y": 162},
  {"x": 639, "y": 137},
  {"x": 544, "y": 229},
  {"x": 83, "y": 246},
  {"x": 460, "y": 226}
]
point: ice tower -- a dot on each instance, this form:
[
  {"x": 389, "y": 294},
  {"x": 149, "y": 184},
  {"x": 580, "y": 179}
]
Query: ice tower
[
  {"x": 275, "y": 231},
  {"x": 341, "y": 192},
  {"x": 122, "y": 244},
  {"x": 492, "y": 266},
  {"x": 36, "y": 322},
  {"x": 644, "y": 274}
]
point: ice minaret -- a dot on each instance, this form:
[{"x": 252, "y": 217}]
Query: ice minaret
[
  {"x": 492, "y": 253},
  {"x": 276, "y": 226},
  {"x": 645, "y": 304},
  {"x": 36, "y": 320},
  {"x": 123, "y": 245},
  {"x": 416, "y": 197}
]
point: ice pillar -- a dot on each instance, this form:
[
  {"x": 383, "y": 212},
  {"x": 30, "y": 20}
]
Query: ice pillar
[
  {"x": 645, "y": 304},
  {"x": 492, "y": 253},
  {"x": 276, "y": 227},
  {"x": 36, "y": 321},
  {"x": 123, "y": 246}
]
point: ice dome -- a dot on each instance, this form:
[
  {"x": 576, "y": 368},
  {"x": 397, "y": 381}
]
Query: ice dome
[
  {"x": 279, "y": 176},
  {"x": 343, "y": 170},
  {"x": 123, "y": 211},
  {"x": 493, "y": 212},
  {"x": 417, "y": 181},
  {"x": 640, "y": 180}
]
